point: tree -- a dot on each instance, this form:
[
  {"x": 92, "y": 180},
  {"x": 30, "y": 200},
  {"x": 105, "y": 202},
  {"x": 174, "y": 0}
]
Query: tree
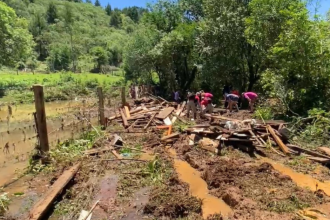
[
  {"x": 108, "y": 9},
  {"x": 100, "y": 57},
  {"x": 97, "y": 3},
  {"x": 115, "y": 19},
  {"x": 89, "y": 1},
  {"x": 52, "y": 13},
  {"x": 15, "y": 41}
]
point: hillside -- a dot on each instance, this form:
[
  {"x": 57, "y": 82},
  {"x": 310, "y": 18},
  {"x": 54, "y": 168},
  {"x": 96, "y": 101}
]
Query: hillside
[{"x": 74, "y": 36}]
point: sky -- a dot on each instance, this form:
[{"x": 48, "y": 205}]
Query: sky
[{"x": 323, "y": 6}]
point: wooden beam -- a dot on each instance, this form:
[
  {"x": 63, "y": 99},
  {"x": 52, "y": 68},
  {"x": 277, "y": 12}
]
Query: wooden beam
[
  {"x": 128, "y": 115},
  {"x": 152, "y": 118},
  {"x": 101, "y": 106},
  {"x": 178, "y": 112},
  {"x": 39, "y": 210},
  {"x": 123, "y": 118},
  {"x": 325, "y": 150},
  {"x": 118, "y": 156},
  {"x": 278, "y": 140},
  {"x": 170, "y": 136},
  {"x": 41, "y": 119}
]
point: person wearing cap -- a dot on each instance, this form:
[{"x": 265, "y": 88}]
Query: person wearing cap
[
  {"x": 232, "y": 99},
  {"x": 191, "y": 105},
  {"x": 251, "y": 97}
]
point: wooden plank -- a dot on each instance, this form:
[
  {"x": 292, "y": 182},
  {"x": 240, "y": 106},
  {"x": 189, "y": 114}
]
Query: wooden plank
[
  {"x": 278, "y": 140},
  {"x": 118, "y": 156},
  {"x": 164, "y": 100},
  {"x": 39, "y": 210},
  {"x": 178, "y": 113},
  {"x": 152, "y": 118},
  {"x": 165, "y": 113},
  {"x": 170, "y": 136},
  {"x": 305, "y": 151},
  {"x": 128, "y": 115},
  {"x": 124, "y": 118},
  {"x": 319, "y": 159},
  {"x": 325, "y": 150},
  {"x": 97, "y": 151}
]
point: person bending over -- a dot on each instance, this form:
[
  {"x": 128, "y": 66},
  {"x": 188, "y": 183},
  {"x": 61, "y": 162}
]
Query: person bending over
[
  {"x": 232, "y": 100},
  {"x": 252, "y": 98}
]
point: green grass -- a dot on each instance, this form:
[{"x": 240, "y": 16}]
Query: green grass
[{"x": 57, "y": 86}]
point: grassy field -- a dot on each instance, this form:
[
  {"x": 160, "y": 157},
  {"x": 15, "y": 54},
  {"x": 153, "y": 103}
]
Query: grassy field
[{"x": 58, "y": 86}]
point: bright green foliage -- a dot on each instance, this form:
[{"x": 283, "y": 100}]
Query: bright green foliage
[
  {"x": 297, "y": 49},
  {"x": 15, "y": 41},
  {"x": 100, "y": 56}
]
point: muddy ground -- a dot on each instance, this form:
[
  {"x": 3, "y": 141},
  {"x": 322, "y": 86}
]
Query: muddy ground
[{"x": 152, "y": 186}]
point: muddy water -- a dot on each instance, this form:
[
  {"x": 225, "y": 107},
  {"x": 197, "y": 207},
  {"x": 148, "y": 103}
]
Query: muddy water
[
  {"x": 198, "y": 188},
  {"x": 19, "y": 132},
  {"x": 300, "y": 179}
]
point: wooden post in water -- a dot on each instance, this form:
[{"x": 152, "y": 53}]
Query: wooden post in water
[
  {"x": 123, "y": 96},
  {"x": 101, "y": 106},
  {"x": 41, "y": 120}
]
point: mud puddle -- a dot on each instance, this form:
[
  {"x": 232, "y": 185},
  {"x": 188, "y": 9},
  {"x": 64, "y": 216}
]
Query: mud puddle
[
  {"x": 198, "y": 188},
  {"x": 300, "y": 179}
]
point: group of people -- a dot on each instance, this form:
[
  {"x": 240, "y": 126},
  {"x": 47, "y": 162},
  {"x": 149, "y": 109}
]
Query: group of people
[
  {"x": 233, "y": 99},
  {"x": 202, "y": 101},
  {"x": 197, "y": 101}
]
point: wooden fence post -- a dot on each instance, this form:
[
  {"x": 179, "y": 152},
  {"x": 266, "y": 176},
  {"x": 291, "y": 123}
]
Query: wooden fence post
[
  {"x": 123, "y": 96},
  {"x": 41, "y": 119},
  {"x": 101, "y": 106}
]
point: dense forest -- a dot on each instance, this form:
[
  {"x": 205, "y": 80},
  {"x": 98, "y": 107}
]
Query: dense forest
[{"x": 274, "y": 47}]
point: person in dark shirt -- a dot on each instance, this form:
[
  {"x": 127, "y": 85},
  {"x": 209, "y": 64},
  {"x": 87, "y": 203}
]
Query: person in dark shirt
[
  {"x": 191, "y": 105},
  {"x": 225, "y": 92}
]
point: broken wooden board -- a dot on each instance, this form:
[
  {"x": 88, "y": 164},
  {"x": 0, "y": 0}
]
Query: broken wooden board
[
  {"x": 97, "y": 151},
  {"x": 179, "y": 111},
  {"x": 309, "y": 152},
  {"x": 319, "y": 159},
  {"x": 278, "y": 140},
  {"x": 325, "y": 150},
  {"x": 127, "y": 113},
  {"x": 152, "y": 118},
  {"x": 175, "y": 135},
  {"x": 165, "y": 113},
  {"x": 39, "y": 210},
  {"x": 118, "y": 156},
  {"x": 124, "y": 118},
  {"x": 167, "y": 121}
]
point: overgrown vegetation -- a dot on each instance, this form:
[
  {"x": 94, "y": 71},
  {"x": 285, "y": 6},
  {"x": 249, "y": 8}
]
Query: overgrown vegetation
[{"x": 59, "y": 86}]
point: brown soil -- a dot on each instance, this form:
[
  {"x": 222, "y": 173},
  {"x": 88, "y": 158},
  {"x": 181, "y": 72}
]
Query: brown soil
[
  {"x": 172, "y": 200},
  {"x": 254, "y": 191}
]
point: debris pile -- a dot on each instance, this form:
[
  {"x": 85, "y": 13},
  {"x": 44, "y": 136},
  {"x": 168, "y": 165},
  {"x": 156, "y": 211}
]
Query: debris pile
[{"x": 213, "y": 134}]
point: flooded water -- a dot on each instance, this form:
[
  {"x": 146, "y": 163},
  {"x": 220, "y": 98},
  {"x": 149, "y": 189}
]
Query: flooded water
[
  {"x": 18, "y": 134},
  {"x": 198, "y": 188},
  {"x": 300, "y": 179}
]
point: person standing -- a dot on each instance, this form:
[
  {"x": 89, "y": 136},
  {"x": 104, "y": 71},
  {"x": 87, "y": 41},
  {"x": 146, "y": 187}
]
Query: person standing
[
  {"x": 251, "y": 97},
  {"x": 191, "y": 105},
  {"x": 198, "y": 100},
  {"x": 177, "y": 97}
]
